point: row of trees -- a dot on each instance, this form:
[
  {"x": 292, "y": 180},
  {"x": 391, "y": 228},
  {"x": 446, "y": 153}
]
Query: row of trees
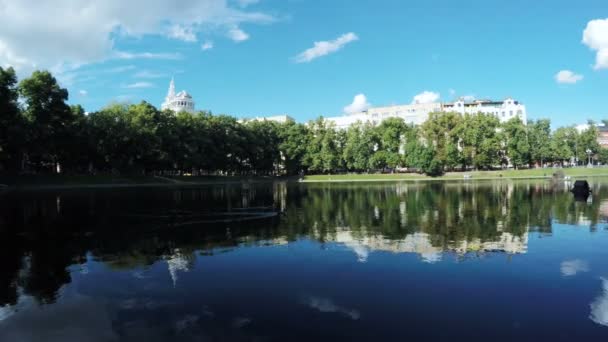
[{"x": 40, "y": 132}]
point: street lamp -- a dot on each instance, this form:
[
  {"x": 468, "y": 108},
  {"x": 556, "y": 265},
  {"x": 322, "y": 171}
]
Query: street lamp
[{"x": 589, "y": 152}]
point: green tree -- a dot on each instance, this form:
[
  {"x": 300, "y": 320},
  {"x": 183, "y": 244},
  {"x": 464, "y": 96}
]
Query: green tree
[
  {"x": 440, "y": 131},
  {"x": 49, "y": 119},
  {"x": 539, "y": 137},
  {"x": 587, "y": 141},
  {"x": 516, "y": 142},
  {"x": 11, "y": 121},
  {"x": 294, "y": 140},
  {"x": 563, "y": 144},
  {"x": 480, "y": 140}
]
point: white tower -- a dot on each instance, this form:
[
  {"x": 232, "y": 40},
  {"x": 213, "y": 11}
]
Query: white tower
[
  {"x": 171, "y": 92},
  {"x": 180, "y": 102}
]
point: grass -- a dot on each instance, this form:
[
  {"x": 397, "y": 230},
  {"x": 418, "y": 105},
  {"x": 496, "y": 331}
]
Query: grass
[
  {"x": 106, "y": 180},
  {"x": 77, "y": 181},
  {"x": 475, "y": 175}
]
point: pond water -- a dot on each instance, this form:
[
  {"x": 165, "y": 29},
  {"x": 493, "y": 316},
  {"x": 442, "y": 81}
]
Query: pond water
[{"x": 302, "y": 262}]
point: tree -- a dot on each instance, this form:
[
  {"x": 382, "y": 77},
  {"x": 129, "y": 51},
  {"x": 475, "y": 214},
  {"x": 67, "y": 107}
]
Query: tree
[
  {"x": 440, "y": 131},
  {"x": 516, "y": 142},
  {"x": 323, "y": 152},
  {"x": 48, "y": 117},
  {"x": 359, "y": 147},
  {"x": 294, "y": 140},
  {"x": 587, "y": 141},
  {"x": 11, "y": 123},
  {"x": 480, "y": 140},
  {"x": 563, "y": 144},
  {"x": 539, "y": 137}
]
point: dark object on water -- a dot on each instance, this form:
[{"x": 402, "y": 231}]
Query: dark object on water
[
  {"x": 581, "y": 186},
  {"x": 581, "y": 190}
]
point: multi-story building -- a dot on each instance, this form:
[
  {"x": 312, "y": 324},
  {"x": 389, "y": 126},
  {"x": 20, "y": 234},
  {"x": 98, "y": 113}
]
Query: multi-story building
[
  {"x": 418, "y": 113},
  {"x": 412, "y": 114},
  {"x": 503, "y": 110}
]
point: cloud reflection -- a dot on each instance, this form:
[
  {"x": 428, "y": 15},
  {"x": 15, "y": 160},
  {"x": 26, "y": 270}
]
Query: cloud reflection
[
  {"x": 572, "y": 267},
  {"x": 327, "y": 305},
  {"x": 599, "y": 307}
]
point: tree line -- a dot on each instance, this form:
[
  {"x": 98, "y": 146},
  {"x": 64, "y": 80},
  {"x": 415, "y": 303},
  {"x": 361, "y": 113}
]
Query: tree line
[{"x": 40, "y": 132}]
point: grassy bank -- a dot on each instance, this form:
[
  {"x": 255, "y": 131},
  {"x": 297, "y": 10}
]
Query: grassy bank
[
  {"x": 475, "y": 175},
  {"x": 108, "y": 181}
]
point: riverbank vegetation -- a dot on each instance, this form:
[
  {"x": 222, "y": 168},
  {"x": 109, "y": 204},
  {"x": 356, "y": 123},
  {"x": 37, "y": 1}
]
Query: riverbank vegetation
[{"x": 41, "y": 134}]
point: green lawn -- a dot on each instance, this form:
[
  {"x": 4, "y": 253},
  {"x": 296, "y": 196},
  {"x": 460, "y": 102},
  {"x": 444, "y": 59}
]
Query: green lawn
[
  {"x": 104, "y": 180},
  {"x": 528, "y": 173}
]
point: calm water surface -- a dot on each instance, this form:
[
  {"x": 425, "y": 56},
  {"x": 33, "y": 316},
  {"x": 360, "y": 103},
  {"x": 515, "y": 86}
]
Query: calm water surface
[{"x": 291, "y": 262}]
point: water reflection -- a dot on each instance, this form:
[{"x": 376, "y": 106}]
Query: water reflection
[
  {"x": 599, "y": 307},
  {"x": 326, "y": 305},
  {"x": 572, "y": 267},
  {"x": 155, "y": 237}
]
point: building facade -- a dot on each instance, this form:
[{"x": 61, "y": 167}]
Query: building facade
[
  {"x": 503, "y": 110},
  {"x": 412, "y": 114},
  {"x": 180, "y": 102},
  {"x": 283, "y": 118},
  {"x": 418, "y": 113}
]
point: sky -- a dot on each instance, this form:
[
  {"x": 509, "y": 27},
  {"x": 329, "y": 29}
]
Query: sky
[{"x": 308, "y": 58}]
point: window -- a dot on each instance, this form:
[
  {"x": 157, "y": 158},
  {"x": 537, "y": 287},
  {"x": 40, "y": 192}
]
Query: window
[{"x": 510, "y": 113}]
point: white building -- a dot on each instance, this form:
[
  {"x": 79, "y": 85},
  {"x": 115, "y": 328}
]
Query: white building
[
  {"x": 180, "y": 102},
  {"x": 418, "y": 113},
  {"x": 283, "y": 118},
  {"x": 503, "y": 110},
  {"x": 412, "y": 114}
]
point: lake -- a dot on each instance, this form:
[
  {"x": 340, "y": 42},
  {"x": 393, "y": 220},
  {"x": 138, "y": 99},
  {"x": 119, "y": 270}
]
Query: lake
[{"x": 450, "y": 261}]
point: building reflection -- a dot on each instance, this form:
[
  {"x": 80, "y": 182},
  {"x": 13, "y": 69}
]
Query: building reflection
[{"x": 42, "y": 234}]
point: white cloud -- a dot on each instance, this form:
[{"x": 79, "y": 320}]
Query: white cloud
[
  {"x": 595, "y": 37},
  {"x": 323, "y": 48},
  {"x": 138, "y": 85},
  {"x": 452, "y": 92},
  {"x": 181, "y": 32},
  {"x": 146, "y": 55},
  {"x": 599, "y": 307},
  {"x": 469, "y": 98},
  {"x": 208, "y": 45},
  {"x": 60, "y": 34},
  {"x": 237, "y": 34},
  {"x": 567, "y": 76},
  {"x": 426, "y": 97},
  {"x": 120, "y": 69},
  {"x": 572, "y": 267},
  {"x": 359, "y": 104},
  {"x": 83, "y": 92},
  {"x": 148, "y": 74}
]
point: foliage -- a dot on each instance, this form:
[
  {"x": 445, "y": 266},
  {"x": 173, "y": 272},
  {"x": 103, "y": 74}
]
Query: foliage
[{"x": 45, "y": 135}]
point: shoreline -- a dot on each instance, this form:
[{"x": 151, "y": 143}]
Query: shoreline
[
  {"x": 438, "y": 179},
  {"x": 181, "y": 184}
]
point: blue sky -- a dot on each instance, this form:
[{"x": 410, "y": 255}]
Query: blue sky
[{"x": 389, "y": 51}]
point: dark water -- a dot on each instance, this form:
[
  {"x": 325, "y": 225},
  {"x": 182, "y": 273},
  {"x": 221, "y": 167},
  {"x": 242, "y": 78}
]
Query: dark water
[{"x": 451, "y": 262}]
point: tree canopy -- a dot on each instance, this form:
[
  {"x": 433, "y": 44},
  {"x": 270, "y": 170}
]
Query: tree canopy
[{"x": 40, "y": 132}]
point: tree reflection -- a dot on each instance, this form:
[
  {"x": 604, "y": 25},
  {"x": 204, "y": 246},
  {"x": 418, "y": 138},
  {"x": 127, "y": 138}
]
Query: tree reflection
[{"x": 43, "y": 233}]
